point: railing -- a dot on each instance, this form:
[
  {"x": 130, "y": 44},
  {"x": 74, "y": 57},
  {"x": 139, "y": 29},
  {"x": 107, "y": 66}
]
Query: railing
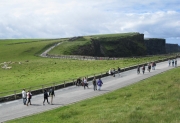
[{"x": 16, "y": 94}]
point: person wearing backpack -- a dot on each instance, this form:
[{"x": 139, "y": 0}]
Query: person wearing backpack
[
  {"x": 51, "y": 94},
  {"x": 45, "y": 96},
  {"x": 94, "y": 83},
  {"x": 29, "y": 96}
]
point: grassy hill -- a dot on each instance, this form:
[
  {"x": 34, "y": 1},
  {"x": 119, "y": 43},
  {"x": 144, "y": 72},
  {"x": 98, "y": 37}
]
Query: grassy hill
[
  {"x": 154, "y": 100},
  {"x": 109, "y": 45},
  {"x": 31, "y": 71}
]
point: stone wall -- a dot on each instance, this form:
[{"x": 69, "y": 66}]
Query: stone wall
[
  {"x": 155, "y": 46},
  {"x": 172, "y": 48}
]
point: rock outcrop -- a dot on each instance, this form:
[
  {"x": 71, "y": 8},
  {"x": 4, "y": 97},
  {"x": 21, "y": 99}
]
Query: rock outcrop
[
  {"x": 114, "y": 46},
  {"x": 172, "y": 48},
  {"x": 155, "y": 46}
]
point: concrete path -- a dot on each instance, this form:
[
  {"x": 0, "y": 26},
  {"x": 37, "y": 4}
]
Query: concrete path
[{"x": 16, "y": 109}]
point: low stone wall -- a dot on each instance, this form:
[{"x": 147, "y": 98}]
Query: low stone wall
[{"x": 67, "y": 84}]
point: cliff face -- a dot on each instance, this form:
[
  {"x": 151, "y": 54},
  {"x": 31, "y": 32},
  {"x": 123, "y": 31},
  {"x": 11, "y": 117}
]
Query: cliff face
[
  {"x": 114, "y": 46},
  {"x": 155, "y": 46},
  {"x": 172, "y": 48}
]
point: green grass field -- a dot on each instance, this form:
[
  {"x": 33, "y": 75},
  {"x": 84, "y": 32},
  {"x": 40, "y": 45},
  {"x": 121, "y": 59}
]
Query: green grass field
[
  {"x": 34, "y": 71},
  {"x": 154, "y": 100}
]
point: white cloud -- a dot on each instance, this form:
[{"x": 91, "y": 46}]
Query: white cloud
[{"x": 59, "y": 18}]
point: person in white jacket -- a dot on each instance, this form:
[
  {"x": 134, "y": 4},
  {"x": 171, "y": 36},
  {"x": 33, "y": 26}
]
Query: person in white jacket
[{"x": 24, "y": 96}]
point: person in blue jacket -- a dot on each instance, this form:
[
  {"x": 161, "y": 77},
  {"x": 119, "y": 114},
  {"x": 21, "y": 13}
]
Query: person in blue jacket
[{"x": 99, "y": 83}]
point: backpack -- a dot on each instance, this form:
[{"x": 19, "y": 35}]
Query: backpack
[
  {"x": 30, "y": 95},
  {"x": 94, "y": 82},
  {"x": 51, "y": 92}
]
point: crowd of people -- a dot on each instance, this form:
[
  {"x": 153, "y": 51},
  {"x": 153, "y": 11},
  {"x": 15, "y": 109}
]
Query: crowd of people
[
  {"x": 83, "y": 82},
  {"x": 97, "y": 83},
  {"x": 173, "y": 62},
  {"x": 151, "y": 65},
  {"x": 27, "y": 96}
]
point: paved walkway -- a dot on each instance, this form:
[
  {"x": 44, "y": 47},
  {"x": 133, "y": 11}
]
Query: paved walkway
[{"x": 16, "y": 109}]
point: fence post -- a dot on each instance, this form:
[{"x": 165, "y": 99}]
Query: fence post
[
  {"x": 73, "y": 82},
  {"x": 15, "y": 94},
  {"x": 54, "y": 86},
  {"x": 64, "y": 84},
  {"x": 42, "y": 87},
  {"x": 101, "y": 75}
]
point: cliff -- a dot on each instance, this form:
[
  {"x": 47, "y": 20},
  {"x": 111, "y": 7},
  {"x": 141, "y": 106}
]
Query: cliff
[
  {"x": 114, "y": 46},
  {"x": 172, "y": 48},
  {"x": 155, "y": 46}
]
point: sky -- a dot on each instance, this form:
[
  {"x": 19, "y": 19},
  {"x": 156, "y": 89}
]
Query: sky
[{"x": 69, "y": 18}]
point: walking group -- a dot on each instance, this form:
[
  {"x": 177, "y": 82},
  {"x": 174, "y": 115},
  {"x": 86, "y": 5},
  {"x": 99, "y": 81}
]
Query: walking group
[
  {"x": 27, "y": 96},
  {"x": 173, "y": 62},
  {"x": 113, "y": 71},
  {"x": 83, "y": 82},
  {"x": 150, "y": 66}
]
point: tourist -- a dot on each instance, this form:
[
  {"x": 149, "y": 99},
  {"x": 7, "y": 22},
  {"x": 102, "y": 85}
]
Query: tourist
[
  {"x": 169, "y": 62},
  {"x": 154, "y": 65},
  {"x": 143, "y": 69},
  {"x": 119, "y": 70},
  {"x": 113, "y": 72},
  {"x": 99, "y": 83},
  {"x": 110, "y": 71},
  {"x": 149, "y": 67},
  {"x": 51, "y": 94},
  {"x": 78, "y": 82},
  {"x": 138, "y": 69},
  {"x": 29, "y": 96},
  {"x": 94, "y": 83},
  {"x": 175, "y": 62},
  {"x": 24, "y": 96},
  {"x": 85, "y": 83},
  {"x": 45, "y": 97}
]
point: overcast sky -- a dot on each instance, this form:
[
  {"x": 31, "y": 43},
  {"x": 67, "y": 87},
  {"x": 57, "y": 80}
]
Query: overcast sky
[{"x": 67, "y": 18}]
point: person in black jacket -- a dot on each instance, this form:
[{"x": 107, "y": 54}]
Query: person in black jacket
[
  {"x": 45, "y": 97},
  {"x": 94, "y": 83},
  {"x": 51, "y": 94}
]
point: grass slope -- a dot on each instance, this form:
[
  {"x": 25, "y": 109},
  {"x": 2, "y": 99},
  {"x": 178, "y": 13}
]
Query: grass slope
[
  {"x": 154, "y": 100},
  {"x": 40, "y": 71}
]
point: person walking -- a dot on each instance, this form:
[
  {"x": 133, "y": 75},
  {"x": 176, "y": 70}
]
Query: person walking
[
  {"x": 154, "y": 65},
  {"x": 149, "y": 67},
  {"x": 94, "y": 83},
  {"x": 119, "y": 70},
  {"x": 51, "y": 94},
  {"x": 85, "y": 83},
  {"x": 169, "y": 62},
  {"x": 45, "y": 97},
  {"x": 24, "y": 95},
  {"x": 113, "y": 72},
  {"x": 138, "y": 69},
  {"x": 110, "y": 71},
  {"x": 99, "y": 83},
  {"x": 78, "y": 82},
  {"x": 143, "y": 69},
  {"x": 175, "y": 62},
  {"x": 29, "y": 96}
]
